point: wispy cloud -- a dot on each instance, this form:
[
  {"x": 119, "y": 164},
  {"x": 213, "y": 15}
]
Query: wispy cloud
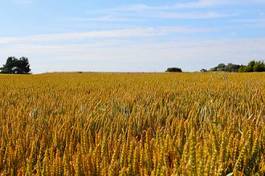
[
  {"x": 195, "y": 4},
  {"x": 171, "y": 15},
  {"x": 191, "y": 15},
  {"x": 141, "y": 12},
  {"x": 114, "y": 33}
]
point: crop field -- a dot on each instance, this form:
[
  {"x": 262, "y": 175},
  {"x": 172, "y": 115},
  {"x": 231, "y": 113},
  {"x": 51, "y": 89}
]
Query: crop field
[{"x": 132, "y": 124}]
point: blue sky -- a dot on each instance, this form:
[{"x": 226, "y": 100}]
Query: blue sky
[{"x": 126, "y": 35}]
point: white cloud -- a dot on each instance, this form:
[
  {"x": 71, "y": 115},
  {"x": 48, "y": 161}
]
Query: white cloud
[
  {"x": 216, "y": 3},
  {"x": 123, "y": 17},
  {"x": 191, "y": 15},
  {"x": 187, "y": 5},
  {"x": 136, "y": 12},
  {"x": 115, "y": 33}
]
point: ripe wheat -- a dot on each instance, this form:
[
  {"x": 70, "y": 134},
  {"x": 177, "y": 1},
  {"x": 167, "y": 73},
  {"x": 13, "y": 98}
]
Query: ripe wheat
[{"x": 132, "y": 124}]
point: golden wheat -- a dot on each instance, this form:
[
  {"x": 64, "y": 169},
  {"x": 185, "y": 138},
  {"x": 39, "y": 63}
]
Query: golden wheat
[{"x": 132, "y": 124}]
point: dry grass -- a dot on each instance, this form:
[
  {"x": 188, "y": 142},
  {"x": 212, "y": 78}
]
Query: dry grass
[{"x": 132, "y": 124}]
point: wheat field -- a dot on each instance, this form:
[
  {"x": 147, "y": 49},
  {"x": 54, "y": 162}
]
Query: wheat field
[{"x": 122, "y": 124}]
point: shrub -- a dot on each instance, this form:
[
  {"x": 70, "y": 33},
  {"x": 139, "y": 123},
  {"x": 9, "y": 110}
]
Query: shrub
[{"x": 174, "y": 69}]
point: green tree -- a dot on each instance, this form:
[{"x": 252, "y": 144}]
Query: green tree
[
  {"x": 259, "y": 66},
  {"x": 16, "y": 66},
  {"x": 221, "y": 67},
  {"x": 242, "y": 68},
  {"x": 252, "y": 63},
  {"x": 227, "y": 68},
  {"x": 250, "y": 66},
  {"x": 232, "y": 67}
]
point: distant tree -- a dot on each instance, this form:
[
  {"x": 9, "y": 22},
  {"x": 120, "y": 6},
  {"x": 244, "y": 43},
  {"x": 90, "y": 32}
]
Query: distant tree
[
  {"x": 232, "y": 67},
  {"x": 252, "y": 63},
  {"x": 248, "y": 69},
  {"x": 259, "y": 66},
  {"x": 174, "y": 69},
  {"x": 253, "y": 66},
  {"x": 16, "y": 66},
  {"x": 203, "y": 70},
  {"x": 221, "y": 67},
  {"x": 242, "y": 68},
  {"x": 228, "y": 68},
  {"x": 250, "y": 66}
]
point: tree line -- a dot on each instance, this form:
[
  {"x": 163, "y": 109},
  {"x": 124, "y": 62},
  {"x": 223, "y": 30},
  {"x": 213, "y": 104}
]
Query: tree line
[
  {"x": 252, "y": 66},
  {"x": 14, "y": 65}
]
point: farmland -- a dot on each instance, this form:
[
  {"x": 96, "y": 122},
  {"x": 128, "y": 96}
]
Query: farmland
[{"x": 132, "y": 124}]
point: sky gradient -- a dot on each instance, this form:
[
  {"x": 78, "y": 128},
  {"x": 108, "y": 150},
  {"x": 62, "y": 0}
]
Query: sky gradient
[{"x": 131, "y": 35}]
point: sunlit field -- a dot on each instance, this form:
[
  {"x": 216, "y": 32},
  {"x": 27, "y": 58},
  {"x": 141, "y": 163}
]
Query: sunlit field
[{"x": 132, "y": 124}]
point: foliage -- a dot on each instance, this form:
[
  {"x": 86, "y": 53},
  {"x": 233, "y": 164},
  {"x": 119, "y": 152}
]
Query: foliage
[
  {"x": 259, "y": 66},
  {"x": 16, "y": 66},
  {"x": 174, "y": 69},
  {"x": 253, "y": 66},
  {"x": 226, "y": 68},
  {"x": 132, "y": 124}
]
